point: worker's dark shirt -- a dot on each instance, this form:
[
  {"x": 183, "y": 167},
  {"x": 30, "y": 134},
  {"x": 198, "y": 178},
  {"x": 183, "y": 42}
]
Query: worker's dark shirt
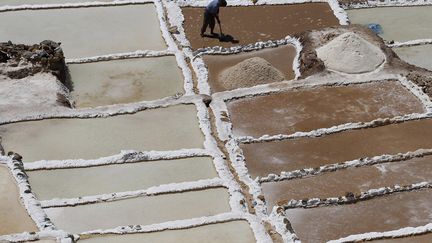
[{"x": 213, "y": 7}]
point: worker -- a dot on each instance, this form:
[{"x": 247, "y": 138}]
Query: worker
[{"x": 211, "y": 14}]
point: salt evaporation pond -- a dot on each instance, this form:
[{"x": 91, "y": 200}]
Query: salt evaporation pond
[
  {"x": 171, "y": 128},
  {"x": 38, "y": 2},
  {"x": 398, "y": 23},
  {"x": 71, "y": 183},
  {"x": 305, "y": 110},
  {"x": 294, "y": 154},
  {"x": 392, "y": 212},
  {"x": 41, "y": 241},
  {"x": 355, "y": 180},
  {"x": 281, "y": 58},
  {"x": 86, "y": 32},
  {"x": 125, "y": 81},
  {"x": 13, "y": 216},
  {"x": 237, "y": 231},
  {"x": 416, "y": 55},
  {"x": 259, "y": 23},
  {"x": 140, "y": 211}
]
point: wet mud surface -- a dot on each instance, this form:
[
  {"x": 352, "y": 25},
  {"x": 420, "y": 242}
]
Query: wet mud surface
[
  {"x": 258, "y": 23},
  {"x": 140, "y": 211},
  {"x": 162, "y": 129},
  {"x": 86, "y": 28},
  {"x": 281, "y": 58},
  {"x": 414, "y": 21},
  {"x": 237, "y": 231},
  {"x": 309, "y": 109},
  {"x": 382, "y": 214},
  {"x": 72, "y": 183},
  {"x": 274, "y": 157},
  {"x": 355, "y": 180},
  {"x": 13, "y": 216},
  {"x": 125, "y": 81}
]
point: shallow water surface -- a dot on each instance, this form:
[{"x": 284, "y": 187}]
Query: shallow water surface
[
  {"x": 70, "y": 183},
  {"x": 356, "y": 180},
  {"x": 376, "y": 215},
  {"x": 13, "y": 216},
  {"x": 274, "y": 157},
  {"x": 416, "y": 55},
  {"x": 86, "y": 32},
  {"x": 259, "y": 23},
  {"x": 398, "y": 23},
  {"x": 142, "y": 210},
  {"x": 125, "y": 81},
  {"x": 237, "y": 231},
  {"x": 309, "y": 109},
  {"x": 171, "y": 128},
  {"x": 281, "y": 58}
]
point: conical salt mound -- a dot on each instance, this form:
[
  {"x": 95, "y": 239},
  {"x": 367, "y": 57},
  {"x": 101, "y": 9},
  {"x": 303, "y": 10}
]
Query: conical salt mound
[
  {"x": 250, "y": 72},
  {"x": 349, "y": 53}
]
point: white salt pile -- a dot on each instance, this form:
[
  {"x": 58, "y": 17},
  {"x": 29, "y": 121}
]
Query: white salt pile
[
  {"x": 250, "y": 72},
  {"x": 349, "y": 53}
]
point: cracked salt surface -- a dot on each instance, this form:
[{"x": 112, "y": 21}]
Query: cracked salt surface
[
  {"x": 170, "y": 128},
  {"x": 90, "y": 31},
  {"x": 13, "y": 216},
  {"x": 355, "y": 180},
  {"x": 313, "y": 108},
  {"x": 398, "y": 23},
  {"x": 72, "y": 183},
  {"x": 236, "y": 231},
  {"x": 125, "y": 81},
  {"x": 380, "y": 214},
  {"x": 141, "y": 210}
]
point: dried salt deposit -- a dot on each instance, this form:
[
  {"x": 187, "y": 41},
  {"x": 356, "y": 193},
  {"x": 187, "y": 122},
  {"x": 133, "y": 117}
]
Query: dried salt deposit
[
  {"x": 349, "y": 53},
  {"x": 250, "y": 72}
]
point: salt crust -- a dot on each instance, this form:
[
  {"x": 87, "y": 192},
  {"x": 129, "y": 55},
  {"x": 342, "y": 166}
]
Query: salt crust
[
  {"x": 120, "y": 56},
  {"x": 410, "y": 43},
  {"x": 387, "y": 3},
  {"x": 72, "y": 5},
  {"x": 125, "y": 156},
  {"x": 102, "y": 111},
  {"x": 308, "y": 172},
  {"x": 224, "y": 173},
  {"x": 224, "y": 127},
  {"x": 219, "y": 108},
  {"x": 399, "y": 233},
  {"x": 120, "y": 110},
  {"x": 58, "y": 235},
  {"x": 152, "y": 191},
  {"x": 29, "y": 200},
  {"x": 210, "y": 144},
  {"x": 172, "y": 225},
  {"x": 363, "y": 196}
]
